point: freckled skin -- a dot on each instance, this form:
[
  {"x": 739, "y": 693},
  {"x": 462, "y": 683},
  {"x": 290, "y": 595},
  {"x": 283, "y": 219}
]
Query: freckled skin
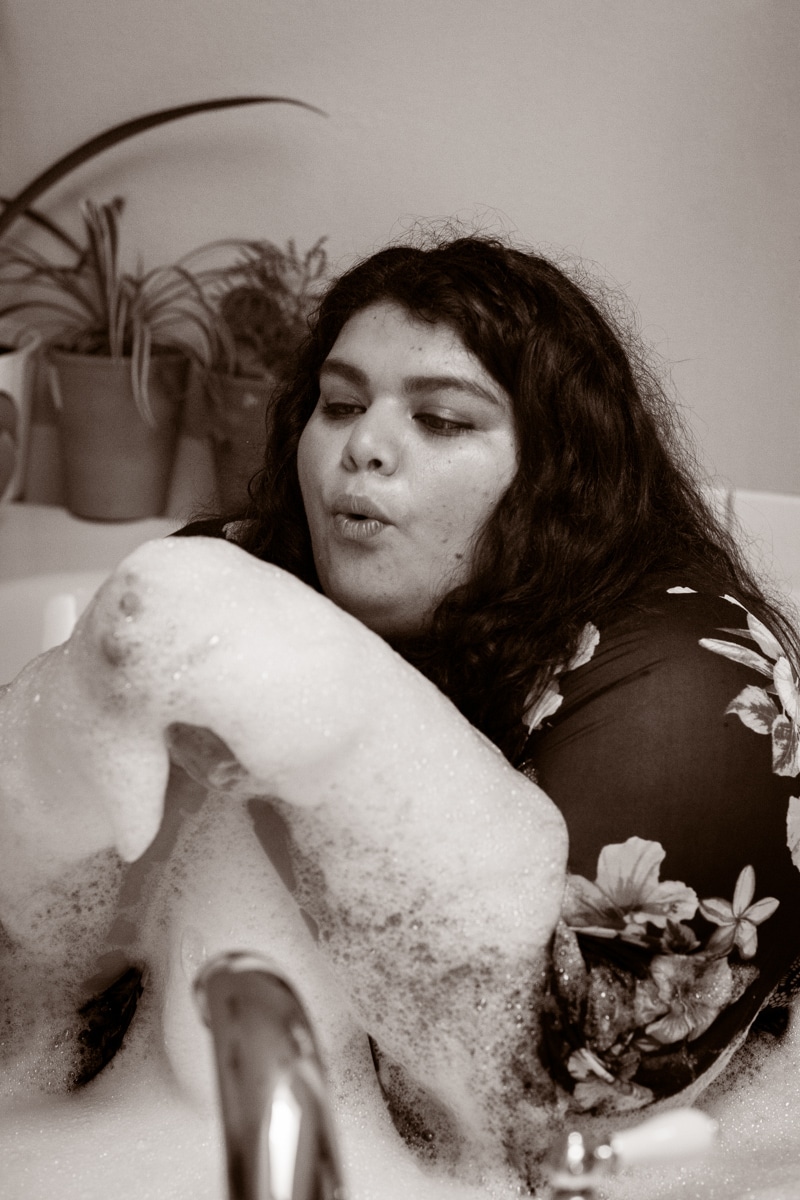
[{"x": 409, "y": 418}]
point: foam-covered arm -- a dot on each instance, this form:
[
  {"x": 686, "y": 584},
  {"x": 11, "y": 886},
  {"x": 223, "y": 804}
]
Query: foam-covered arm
[{"x": 432, "y": 869}]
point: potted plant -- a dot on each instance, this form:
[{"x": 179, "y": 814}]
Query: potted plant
[
  {"x": 17, "y": 351},
  {"x": 119, "y": 343},
  {"x": 132, "y": 314},
  {"x": 260, "y": 303}
]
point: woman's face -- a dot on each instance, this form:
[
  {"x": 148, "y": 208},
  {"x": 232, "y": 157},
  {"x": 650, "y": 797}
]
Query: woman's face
[{"x": 407, "y": 453}]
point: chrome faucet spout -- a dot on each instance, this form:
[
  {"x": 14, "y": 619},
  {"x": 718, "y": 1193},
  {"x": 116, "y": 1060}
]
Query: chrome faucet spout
[{"x": 279, "y": 1137}]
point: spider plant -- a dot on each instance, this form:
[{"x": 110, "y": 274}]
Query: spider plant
[
  {"x": 259, "y": 302},
  {"x": 93, "y": 306},
  {"x": 21, "y": 204},
  {"x": 137, "y": 308}
]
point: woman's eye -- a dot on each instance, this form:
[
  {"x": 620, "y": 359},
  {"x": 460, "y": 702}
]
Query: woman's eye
[
  {"x": 338, "y": 409},
  {"x": 444, "y": 426}
]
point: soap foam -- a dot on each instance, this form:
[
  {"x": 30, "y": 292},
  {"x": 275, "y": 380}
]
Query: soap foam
[
  {"x": 433, "y": 878},
  {"x": 757, "y": 1157},
  {"x": 196, "y": 646},
  {"x": 457, "y": 1037},
  {"x": 51, "y": 973}
]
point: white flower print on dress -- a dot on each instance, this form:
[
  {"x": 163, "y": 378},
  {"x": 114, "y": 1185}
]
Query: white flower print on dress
[
  {"x": 627, "y": 893},
  {"x": 737, "y": 920},
  {"x": 538, "y": 707},
  {"x": 756, "y": 707},
  {"x": 614, "y": 1015}
]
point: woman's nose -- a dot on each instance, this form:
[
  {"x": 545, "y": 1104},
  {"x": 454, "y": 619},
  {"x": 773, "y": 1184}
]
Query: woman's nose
[{"x": 374, "y": 442}]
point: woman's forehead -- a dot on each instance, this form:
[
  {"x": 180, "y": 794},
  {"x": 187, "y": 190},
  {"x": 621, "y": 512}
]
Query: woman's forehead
[{"x": 386, "y": 334}]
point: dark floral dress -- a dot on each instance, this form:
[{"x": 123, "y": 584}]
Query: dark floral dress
[{"x": 671, "y": 743}]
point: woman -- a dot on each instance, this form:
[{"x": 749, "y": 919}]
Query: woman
[{"x": 470, "y": 461}]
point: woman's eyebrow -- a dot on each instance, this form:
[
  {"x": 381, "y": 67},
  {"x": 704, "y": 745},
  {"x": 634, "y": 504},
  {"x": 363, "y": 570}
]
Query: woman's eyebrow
[
  {"x": 417, "y": 385},
  {"x": 345, "y": 370},
  {"x": 413, "y": 385}
]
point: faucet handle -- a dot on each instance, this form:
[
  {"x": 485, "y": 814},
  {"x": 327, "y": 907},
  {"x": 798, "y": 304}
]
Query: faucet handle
[
  {"x": 279, "y": 1136},
  {"x": 669, "y": 1137},
  {"x": 578, "y": 1166}
]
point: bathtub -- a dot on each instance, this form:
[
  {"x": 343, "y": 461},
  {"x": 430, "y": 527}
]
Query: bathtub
[
  {"x": 51, "y": 564},
  {"x": 39, "y": 611}
]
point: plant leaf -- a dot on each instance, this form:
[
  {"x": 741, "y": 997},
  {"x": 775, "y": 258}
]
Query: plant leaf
[
  {"x": 45, "y": 222},
  {"x": 17, "y": 206}
]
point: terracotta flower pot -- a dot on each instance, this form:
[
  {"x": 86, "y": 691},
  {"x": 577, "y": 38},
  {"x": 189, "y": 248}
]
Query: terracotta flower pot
[
  {"x": 116, "y": 467},
  {"x": 236, "y": 412},
  {"x": 16, "y": 380}
]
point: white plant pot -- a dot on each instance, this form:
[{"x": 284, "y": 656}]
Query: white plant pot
[{"x": 16, "y": 384}]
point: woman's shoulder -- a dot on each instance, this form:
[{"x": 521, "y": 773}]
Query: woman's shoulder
[
  {"x": 682, "y": 699},
  {"x": 664, "y": 631},
  {"x": 707, "y": 652},
  {"x": 675, "y": 609}
]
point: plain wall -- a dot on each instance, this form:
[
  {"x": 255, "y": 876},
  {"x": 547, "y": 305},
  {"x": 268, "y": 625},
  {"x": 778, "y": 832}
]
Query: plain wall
[{"x": 655, "y": 138}]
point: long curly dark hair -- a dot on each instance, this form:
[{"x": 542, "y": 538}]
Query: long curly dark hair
[{"x": 604, "y": 497}]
